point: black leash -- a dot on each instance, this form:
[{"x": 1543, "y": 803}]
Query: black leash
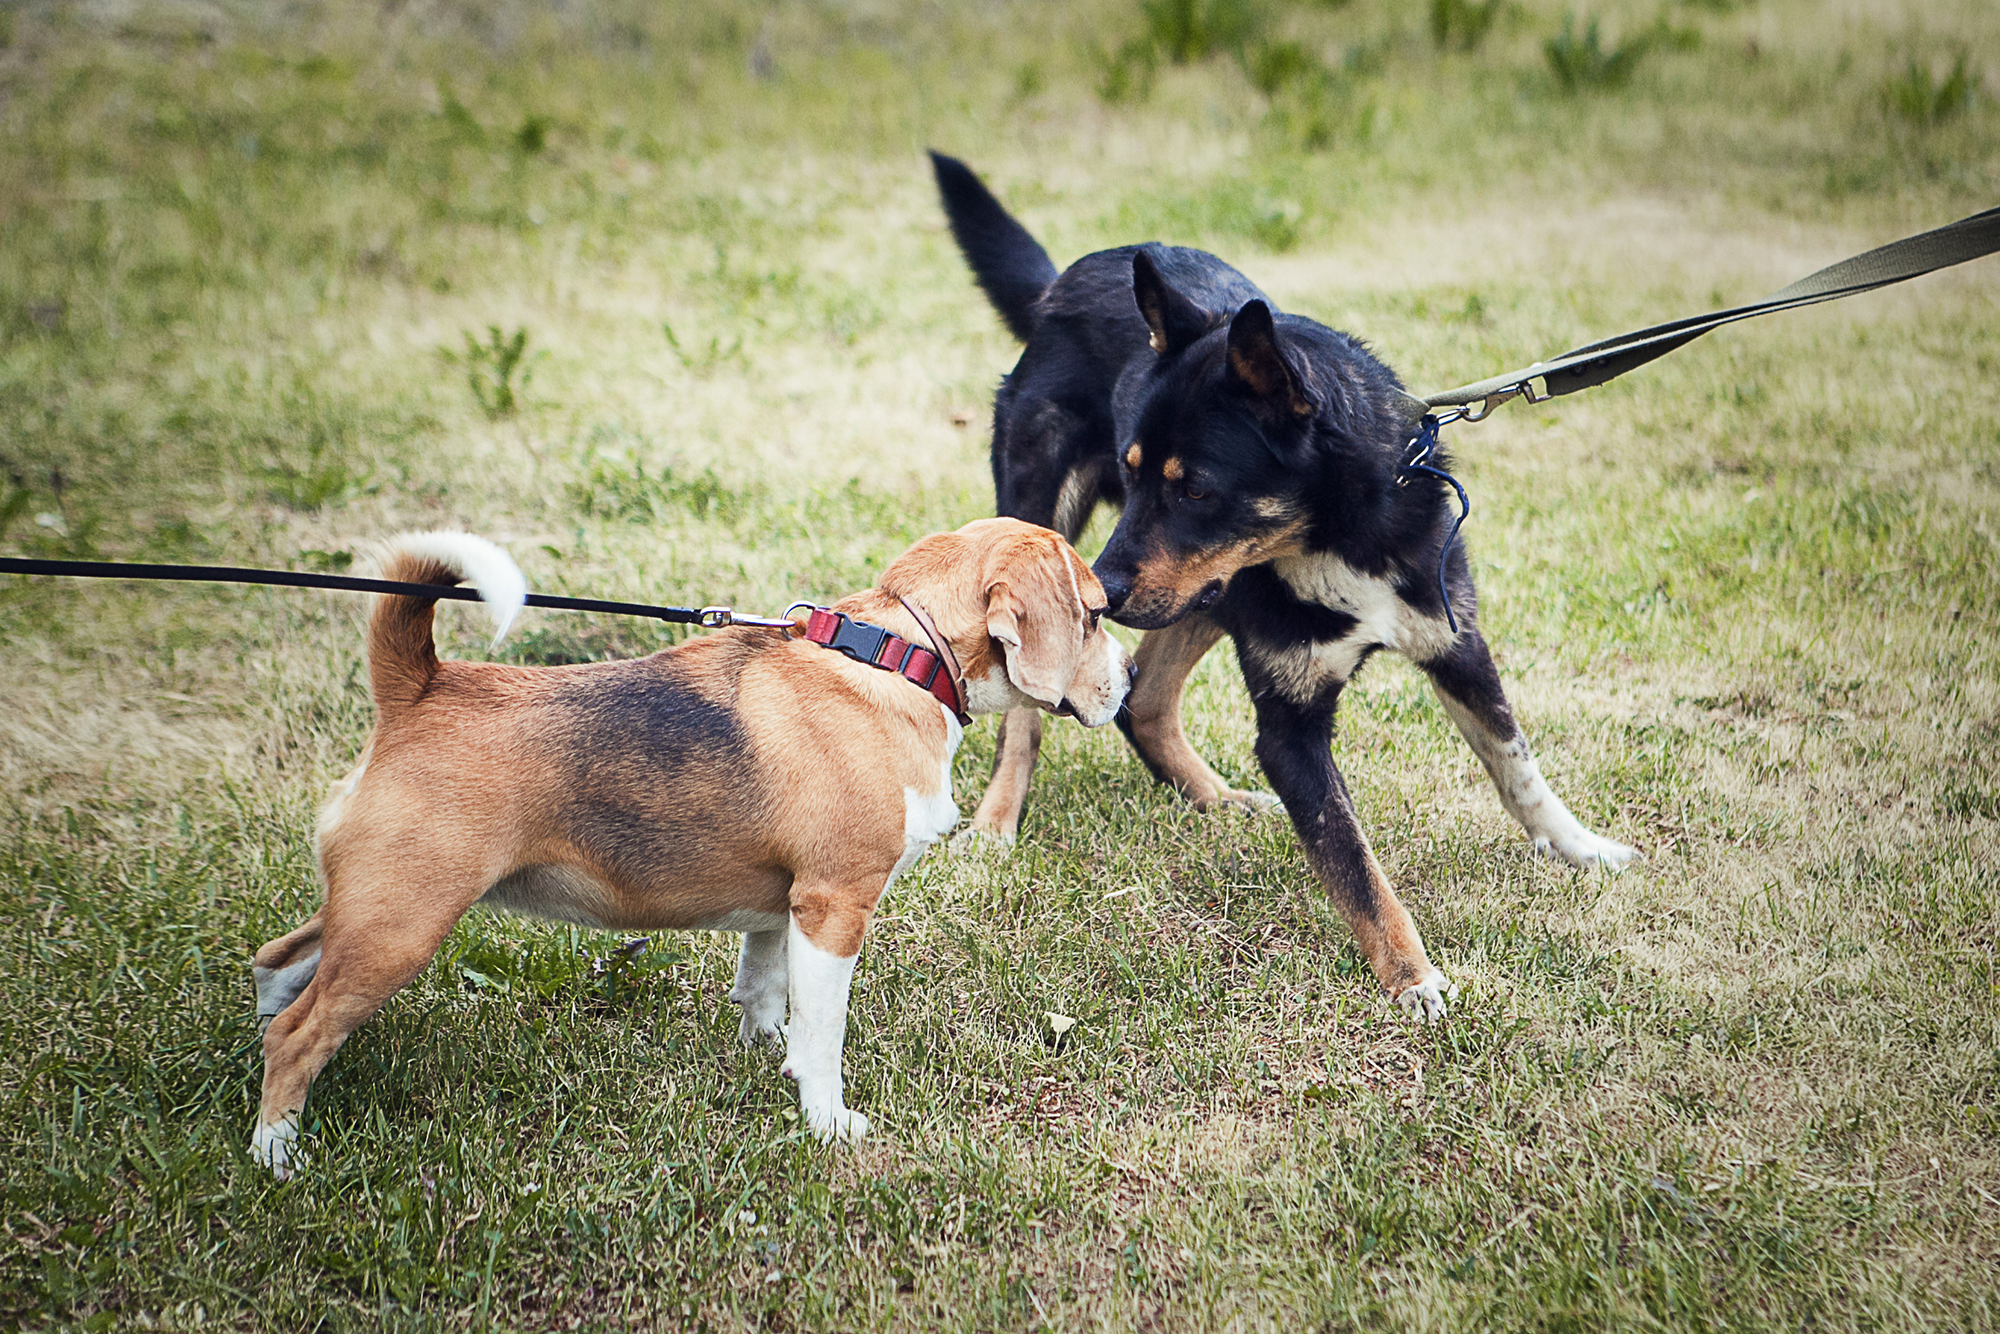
[
  {"x": 711, "y": 618},
  {"x": 1594, "y": 363}
]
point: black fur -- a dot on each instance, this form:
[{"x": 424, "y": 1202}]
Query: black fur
[{"x": 1011, "y": 265}]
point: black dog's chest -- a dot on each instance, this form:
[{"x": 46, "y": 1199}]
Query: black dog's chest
[{"x": 1306, "y": 629}]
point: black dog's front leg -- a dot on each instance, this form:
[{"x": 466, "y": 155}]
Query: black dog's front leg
[
  {"x": 1294, "y": 744},
  {"x": 1469, "y": 688}
]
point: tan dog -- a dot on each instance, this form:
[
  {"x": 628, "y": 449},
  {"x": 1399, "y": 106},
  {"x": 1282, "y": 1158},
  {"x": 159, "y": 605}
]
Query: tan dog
[{"x": 745, "y": 781}]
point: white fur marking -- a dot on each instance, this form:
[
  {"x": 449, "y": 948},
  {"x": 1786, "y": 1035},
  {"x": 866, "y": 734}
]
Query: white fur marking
[
  {"x": 1383, "y": 618},
  {"x": 926, "y": 819},
  {"x": 1527, "y": 797},
  {"x": 502, "y": 586},
  {"x": 816, "y": 1034},
  {"x": 1424, "y": 1003},
  {"x": 1117, "y": 682},
  {"x": 275, "y": 1146},
  {"x": 1069, "y": 515},
  {"x": 995, "y": 692}
]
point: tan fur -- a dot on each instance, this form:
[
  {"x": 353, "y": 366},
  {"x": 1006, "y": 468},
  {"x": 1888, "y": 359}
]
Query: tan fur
[
  {"x": 401, "y": 656},
  {"x": 775, "y": 782},
  {"x": 1172, "y": 470},
  {"x": 1133, "y": 456},
  {"x": 1165, "y": 658},
  {"x": 1014, "y": 756},
  {"x": 1169, "y": 580},
  {"x": 1388, "y": 936}
]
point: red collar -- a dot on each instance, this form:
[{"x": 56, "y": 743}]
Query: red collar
[{"x": 892, "y": 653}]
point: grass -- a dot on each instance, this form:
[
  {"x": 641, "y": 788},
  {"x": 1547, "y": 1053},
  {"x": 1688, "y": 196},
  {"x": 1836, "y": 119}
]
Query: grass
[{"x": 1743, "y": 600}]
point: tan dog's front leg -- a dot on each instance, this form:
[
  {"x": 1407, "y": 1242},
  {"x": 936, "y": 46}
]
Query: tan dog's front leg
[
  {"x": 824, "y": 945},
  {"x": 761, "y": 983},
  {"x": 999, "y": 813},
  {"x": 1165, "y": 659}
]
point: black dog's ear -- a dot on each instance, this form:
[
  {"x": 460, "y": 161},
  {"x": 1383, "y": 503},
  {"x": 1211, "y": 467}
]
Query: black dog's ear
[
  {"x": 1258, "y": 364},
  {"x": 1174, "y": 320}
]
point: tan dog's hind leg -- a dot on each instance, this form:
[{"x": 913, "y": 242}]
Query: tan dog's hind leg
[
  {"x": 371, "y": 945},
  {"x": 999, "y": 813},
  {"x": 1165, "y": 659},
  {"x": 282, "y": 969}
]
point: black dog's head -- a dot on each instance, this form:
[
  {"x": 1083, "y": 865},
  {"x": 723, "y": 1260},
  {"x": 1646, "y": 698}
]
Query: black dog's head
[{"x": 1269, "y": 437}]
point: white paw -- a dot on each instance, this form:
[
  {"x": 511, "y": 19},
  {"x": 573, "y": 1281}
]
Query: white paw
[
  {"x": 761, "y": 1026},
  {"x": 1424, "y": 1003},
  {"x": 1249, "y": 803},
  {"x": 1585, "y": 849},
  {"x": 276, "y": 1147},
  {"x": 972, "y": 839},
  {"x": 840, "y": 1123}
]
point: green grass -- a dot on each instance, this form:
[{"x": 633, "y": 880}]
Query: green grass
[{"x": 1743, "y": 599}]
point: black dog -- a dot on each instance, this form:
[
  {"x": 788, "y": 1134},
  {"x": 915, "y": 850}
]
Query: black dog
[{"x": 1258, "y": 460}]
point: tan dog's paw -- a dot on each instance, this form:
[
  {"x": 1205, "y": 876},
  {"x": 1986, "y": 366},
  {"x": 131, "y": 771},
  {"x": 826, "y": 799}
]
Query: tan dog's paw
[
  {"x": 754, "y": 1028},
  {"x": 276, "y": 1147},
  {"x": 973, "y": 840},
  {"x": 1424, "y": 1003},
  {"x": 1587, "y": 850},
  {"x": 839, "y": 1124},
  {"x": 1248, "y": 803}
]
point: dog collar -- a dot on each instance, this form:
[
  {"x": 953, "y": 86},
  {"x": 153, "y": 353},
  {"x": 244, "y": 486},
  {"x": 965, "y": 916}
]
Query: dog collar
[{"x": 877, "y": 647}]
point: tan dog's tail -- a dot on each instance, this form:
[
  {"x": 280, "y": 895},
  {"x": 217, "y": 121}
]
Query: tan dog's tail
[{"x": 401, "y": 655}]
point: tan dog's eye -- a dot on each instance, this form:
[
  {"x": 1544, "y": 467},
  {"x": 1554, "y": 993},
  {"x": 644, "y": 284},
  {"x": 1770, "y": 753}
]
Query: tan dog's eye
[{"x": 1091, "y": 620}]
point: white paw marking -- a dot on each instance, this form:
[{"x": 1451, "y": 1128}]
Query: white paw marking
[
  {"x": 1582, "y": 848},
  {"x": 754, "y": 1027},
  {"x": 276, "y": 1147},
  {"x": 1424, "y": 1003},
  {"x": 838, "y": 1124}
]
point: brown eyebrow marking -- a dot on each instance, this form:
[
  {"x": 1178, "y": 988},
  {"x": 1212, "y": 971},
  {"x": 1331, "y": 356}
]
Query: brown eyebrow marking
[
  {"x": 1132, "y": 457},
  {"x": 1172, "y": 470}
]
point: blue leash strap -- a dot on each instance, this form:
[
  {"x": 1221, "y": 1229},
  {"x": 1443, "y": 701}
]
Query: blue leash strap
[{"x": 1422, "y": 445}]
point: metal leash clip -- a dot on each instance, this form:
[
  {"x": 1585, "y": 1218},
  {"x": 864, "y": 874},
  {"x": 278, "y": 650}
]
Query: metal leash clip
[
  {"x": 721, "y": 618},
  {"x": 1524, "y": 390}
]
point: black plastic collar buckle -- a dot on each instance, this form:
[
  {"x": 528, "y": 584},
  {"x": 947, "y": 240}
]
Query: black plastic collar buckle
[{"x": 859, "y": 640}]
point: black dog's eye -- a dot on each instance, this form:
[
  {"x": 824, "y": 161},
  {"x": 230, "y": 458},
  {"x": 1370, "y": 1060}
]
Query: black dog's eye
[{"x": 1193, "y": 492}]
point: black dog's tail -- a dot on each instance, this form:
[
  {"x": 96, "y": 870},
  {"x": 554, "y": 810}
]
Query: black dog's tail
[{"x": 1010, "y": 265}]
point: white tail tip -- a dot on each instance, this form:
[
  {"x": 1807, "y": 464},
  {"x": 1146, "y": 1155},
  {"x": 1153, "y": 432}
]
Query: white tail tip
[{"x": 500, "y": 583}]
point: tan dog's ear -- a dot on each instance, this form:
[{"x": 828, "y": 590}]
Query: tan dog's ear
[{"x": 1035, "y": 663}]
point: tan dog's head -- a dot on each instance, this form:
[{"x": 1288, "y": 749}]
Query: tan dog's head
[{"x": 1025, "y": 616}]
